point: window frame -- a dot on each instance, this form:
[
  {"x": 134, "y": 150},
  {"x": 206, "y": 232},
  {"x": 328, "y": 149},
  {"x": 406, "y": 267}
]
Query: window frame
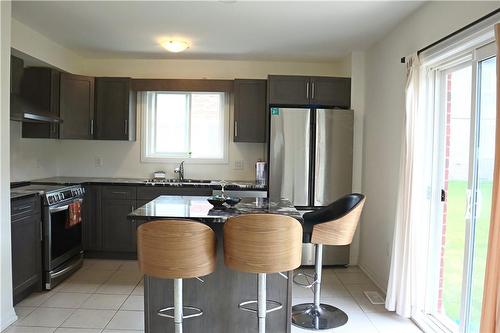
[
  {"x": 435, "y": 69},
  {"x": 145, "y": 100}
]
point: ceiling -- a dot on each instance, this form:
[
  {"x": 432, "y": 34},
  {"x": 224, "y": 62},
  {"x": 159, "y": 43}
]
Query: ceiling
[{"x": 286, "y": 31}]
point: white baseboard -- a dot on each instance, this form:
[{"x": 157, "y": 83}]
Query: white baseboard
[
  {"x": 371, "y": 276},
  {"x": 7, "y": 319}
]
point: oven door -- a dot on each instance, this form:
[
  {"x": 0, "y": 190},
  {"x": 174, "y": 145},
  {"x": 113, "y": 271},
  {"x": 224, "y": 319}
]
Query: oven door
[{"x": 61, "y": 242}]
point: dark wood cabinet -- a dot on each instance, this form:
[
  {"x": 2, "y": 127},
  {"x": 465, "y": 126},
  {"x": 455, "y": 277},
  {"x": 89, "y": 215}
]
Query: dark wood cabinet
[
  {"x": 16, "y": 74},
  {"x": 91, "y": 226},
  {"x": 250, "y": 110},
  {"x": 288, "y": 90},
  {"x": 26, "y": 246},
  {"x": 40, "y": 87},
  {"x": 114, "y": 109},
  {"x": 316, "y": 91},
  {"x": 119, "y": 233},
  {"x": 76, "y": 107},
  {"x": 331, "y": 91}
]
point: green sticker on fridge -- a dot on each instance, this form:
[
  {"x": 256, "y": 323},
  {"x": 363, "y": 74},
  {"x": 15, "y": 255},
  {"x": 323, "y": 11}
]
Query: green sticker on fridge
[{"x": 275, "y": 111}]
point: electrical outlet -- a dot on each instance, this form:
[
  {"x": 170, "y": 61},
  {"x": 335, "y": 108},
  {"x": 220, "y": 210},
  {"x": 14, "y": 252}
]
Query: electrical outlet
[
  {"x": 98, "y": 162},
  {"x": 239, "y": 165}
]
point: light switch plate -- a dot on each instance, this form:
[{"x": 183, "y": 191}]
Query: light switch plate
[{"x": 98, "y": 162}]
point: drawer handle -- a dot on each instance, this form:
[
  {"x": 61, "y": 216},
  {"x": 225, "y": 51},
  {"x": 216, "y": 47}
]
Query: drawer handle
[{"x": 118, "y": 192}]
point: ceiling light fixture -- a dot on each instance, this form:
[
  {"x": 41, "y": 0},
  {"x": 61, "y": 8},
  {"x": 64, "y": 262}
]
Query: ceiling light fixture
[{"x": 175, "y": 45}]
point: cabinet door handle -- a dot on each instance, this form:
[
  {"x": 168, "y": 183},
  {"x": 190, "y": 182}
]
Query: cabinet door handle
[
  {"x": 235, "y": 128},
  {"x": 312, "y": 90},
  {"x": 119, "y": 192},
  {"x": 307, "y": 90},
  {"x": 91, "y": 126},
  {"x": 126, "y": 126}
]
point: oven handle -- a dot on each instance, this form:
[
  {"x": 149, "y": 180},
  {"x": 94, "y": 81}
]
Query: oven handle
[
  {"x": 61, "y": 208},
  {"x": 58, "y": 209}
]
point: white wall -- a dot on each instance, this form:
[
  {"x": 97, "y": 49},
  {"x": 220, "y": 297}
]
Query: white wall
[
  {"x": 358, "y": 71},
  {"x": 7, "y": 314},
  {"x": 383, "y": 124},
  {"x": 31, "y": 42}
]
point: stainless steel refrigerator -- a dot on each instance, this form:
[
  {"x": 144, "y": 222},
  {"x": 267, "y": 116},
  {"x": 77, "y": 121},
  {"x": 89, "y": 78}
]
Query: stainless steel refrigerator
[{"x": 310, "y": 163}]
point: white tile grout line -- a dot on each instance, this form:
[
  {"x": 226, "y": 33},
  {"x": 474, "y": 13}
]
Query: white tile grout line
[{"x": 54, "y": 291}]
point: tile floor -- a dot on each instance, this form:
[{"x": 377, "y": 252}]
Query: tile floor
[{"x": 106, "y": 296}]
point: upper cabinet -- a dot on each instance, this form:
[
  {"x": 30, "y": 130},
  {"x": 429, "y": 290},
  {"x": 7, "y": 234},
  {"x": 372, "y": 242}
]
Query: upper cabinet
[
  {"x": 91, "y": 109},
  {"x": 249, "y": 110},
  {"x": 309, "y": 91},
  {"x": 331, "y": 91},
  {"x": 115, "y": 109},
  {"x": 76, "y": 107},
  {"x": 288, "y": 90},
  {"x": 40, "y": 87}
]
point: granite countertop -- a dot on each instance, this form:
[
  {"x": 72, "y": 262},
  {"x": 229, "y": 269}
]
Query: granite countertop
[
  {"x": 199, "y": 208},
  {"x": 17, "y": 193},
  {"x": 214, "y": 184}
]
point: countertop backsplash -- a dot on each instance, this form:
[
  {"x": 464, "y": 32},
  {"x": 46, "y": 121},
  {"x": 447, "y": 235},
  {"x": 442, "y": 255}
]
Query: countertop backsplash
[{"x": 41, "y": 158}]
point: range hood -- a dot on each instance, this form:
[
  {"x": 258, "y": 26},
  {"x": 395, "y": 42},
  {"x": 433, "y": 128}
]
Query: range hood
[{"x": 21, "y": 110}]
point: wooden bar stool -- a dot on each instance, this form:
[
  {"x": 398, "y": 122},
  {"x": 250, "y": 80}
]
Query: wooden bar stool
[
  {"x": 331, "y": 225},
  {"x": 262, "y": 244},
  {"x": 176, "y": 249}
]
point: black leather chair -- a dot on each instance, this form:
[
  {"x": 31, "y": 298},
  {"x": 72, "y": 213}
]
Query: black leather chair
[{"x": 332, "y": 225}]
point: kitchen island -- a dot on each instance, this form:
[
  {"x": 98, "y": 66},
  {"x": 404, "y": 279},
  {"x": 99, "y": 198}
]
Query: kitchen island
[{"x": 222, "y": 290}]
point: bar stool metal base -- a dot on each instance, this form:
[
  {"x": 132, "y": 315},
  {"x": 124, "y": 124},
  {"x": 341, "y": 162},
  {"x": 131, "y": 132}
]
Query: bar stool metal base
[{"x": 325, "y": 317}]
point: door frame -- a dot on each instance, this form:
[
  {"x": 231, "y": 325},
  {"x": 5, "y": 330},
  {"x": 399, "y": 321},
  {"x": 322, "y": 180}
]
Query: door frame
[{"x": 471, "y": 58}]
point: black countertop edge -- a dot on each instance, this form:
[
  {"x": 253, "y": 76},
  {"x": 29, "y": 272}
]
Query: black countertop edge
[
  {"x": 231, "y": 185},
  {"x": 23, "y": 194}
]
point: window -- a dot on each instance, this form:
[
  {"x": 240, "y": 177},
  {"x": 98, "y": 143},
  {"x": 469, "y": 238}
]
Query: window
[
  {"x": 184, "y": 125},
  {"x": 464, "y": 100}
]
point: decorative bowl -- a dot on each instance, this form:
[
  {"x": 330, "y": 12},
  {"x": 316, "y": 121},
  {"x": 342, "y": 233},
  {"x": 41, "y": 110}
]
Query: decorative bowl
[
  {"x": 217, "y": 201},
  {"x": 232, "y": 201}
]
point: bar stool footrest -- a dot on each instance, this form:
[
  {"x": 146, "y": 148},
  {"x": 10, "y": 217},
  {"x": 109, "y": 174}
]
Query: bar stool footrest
[
  {"x": 195, "y": 312},
  {"x": 245, "y": 306},
  {"x": 308, "y": 278}
]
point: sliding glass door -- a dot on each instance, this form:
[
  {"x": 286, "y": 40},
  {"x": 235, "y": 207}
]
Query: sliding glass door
[{"x": 465, "y": 98}]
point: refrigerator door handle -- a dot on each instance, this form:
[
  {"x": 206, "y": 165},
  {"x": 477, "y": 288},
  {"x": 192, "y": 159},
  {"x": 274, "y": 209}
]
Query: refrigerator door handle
[
  {"x": 307, "y": 90},
  {"x": 312, "y": 90}
]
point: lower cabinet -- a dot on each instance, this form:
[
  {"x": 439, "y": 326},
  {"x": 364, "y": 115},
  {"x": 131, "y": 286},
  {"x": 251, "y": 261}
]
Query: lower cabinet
[
  {"x": 91, "y": 226},
  {"x": 119, "y": 234},
  {"x": 26, "y": 247},
  {"x": 107, "y": 233}
]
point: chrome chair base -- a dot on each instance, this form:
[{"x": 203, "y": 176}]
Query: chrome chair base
[{"x": 326, "y": 317}]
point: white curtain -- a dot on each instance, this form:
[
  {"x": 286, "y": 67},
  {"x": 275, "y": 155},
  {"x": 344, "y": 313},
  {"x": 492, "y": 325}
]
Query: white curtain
[{"x": 406, "y": 270}]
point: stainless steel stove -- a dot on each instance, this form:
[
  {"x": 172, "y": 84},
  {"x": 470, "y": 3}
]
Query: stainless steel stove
[{"x": 62, "y": 243}]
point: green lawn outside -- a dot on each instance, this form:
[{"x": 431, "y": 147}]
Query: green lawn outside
[{"x": 454, "y": 251}]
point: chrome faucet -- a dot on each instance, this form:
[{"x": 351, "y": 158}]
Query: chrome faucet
[{"x": 180, "y": 171}]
